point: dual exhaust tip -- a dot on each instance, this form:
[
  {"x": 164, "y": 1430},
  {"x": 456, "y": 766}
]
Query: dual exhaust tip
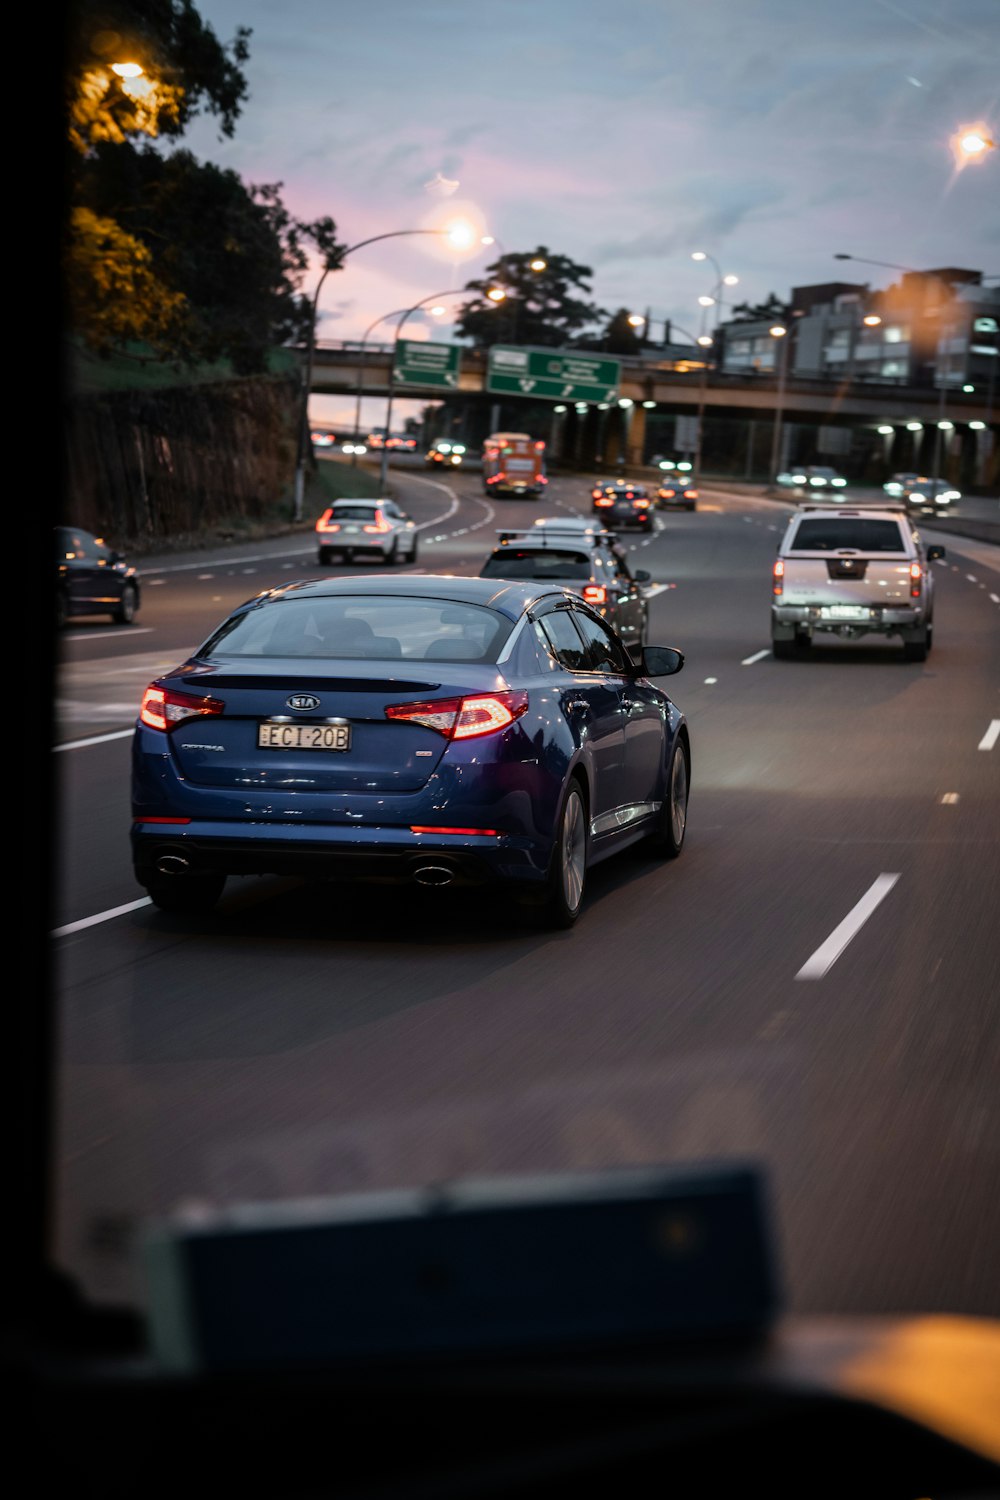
[{"x": 428, "y": 875}]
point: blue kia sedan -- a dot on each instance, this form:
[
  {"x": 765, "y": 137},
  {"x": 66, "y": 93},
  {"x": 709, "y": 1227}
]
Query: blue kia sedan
[{"x": 434, "y": 730}]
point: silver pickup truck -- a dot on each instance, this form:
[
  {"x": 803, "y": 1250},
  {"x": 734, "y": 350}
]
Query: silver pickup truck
[{"x": 852, "y": 572}]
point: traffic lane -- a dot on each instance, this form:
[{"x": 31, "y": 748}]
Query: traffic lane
[
  {"x": 220, "y": 1061},
  {"x": 533, "y": 1064},
  {"x": 185, "y": 594}
]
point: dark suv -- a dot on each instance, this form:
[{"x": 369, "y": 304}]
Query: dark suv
[{"x": 589, "y": 562}]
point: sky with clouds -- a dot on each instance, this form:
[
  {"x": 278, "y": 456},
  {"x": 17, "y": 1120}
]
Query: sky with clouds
[{"x": 769, "y": 133}]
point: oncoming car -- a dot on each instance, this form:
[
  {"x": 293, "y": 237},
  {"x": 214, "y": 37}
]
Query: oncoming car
[
  {"x": 815, "y": 477},
  {"x": 378, "y": 527},
  {"x": 622, "y": 504},
  {"x": 591, "y": 562},
  {"x": 431, "y": 730},
  {"x": 93, "y": 579},
  {"x": 929, "y": 497},
  {"x": 444, "y": 453}
]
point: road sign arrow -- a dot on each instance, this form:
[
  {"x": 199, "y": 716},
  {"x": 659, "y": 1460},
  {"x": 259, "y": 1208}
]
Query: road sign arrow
[
  {"x": 449, "y": 377},
  {"x": 526, "y": 385},
  {"x": 568, "y": 390}
]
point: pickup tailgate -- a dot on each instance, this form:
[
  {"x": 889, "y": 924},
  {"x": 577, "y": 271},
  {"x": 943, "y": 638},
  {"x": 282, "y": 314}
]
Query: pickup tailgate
[{"x": 846, "y": 578}]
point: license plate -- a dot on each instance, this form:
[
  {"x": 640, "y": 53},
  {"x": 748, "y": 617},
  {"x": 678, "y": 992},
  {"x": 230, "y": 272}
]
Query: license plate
[
  {"x": 351, "y": 530},
  {"x": 847, "y": 612},
  {"x": 304, "y": 736}
]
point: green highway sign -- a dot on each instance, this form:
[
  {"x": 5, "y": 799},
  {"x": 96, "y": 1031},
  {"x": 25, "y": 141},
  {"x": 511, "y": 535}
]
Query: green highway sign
[
  {"x": 417, "y": 362},
  {"x": 552, "y": 374}
]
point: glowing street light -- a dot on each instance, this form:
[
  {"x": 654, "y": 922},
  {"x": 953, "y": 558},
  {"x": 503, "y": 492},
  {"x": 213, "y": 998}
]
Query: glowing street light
[
  {"x": 496, "y": 294},
  {"x": 975, "y": 142},
  {"x": 706, "y": 301},
  {"x": 705, "y": 340},
  {"x": 636, "y": 321},
  {"x": 872, "y": 320},
  {"x": 128, "y": 69},
  {"x": 461, "y": 234},
  {"x": 538, "y": 264}
]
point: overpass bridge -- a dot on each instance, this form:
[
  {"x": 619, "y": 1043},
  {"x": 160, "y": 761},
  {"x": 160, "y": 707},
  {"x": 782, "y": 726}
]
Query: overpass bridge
[{"x": 340, "y": 367}]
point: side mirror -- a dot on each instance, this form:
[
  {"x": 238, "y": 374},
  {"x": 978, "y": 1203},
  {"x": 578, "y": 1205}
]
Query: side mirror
[
  {"x": 660, "y": 661},
  {"x": 641, "y": 576},
  {"x": 933, "y": 553}
]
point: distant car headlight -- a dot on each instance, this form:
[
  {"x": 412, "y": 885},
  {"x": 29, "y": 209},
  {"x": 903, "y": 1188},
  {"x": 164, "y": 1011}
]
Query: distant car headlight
[
  {"x": 350, "y": 448},
  {"x": 815, "y": 479},
  {"x": 360, "y": 448},
  {"x": 948, "y": 495},
  {"x": 456, "y": 458},
  {"x": 798, "y": 479},
  {"x": 838, "y": 482},
  {"x": 915, "y": 495}
]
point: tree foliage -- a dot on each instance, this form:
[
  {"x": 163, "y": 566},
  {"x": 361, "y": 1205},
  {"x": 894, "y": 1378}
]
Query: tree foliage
[
  {"x": 186, "y": 70},
  {"x": 619, "y": 336},
  {"x": 164, "y": 250},
  {"x": 755, "y": 312},
  {"x": 545, "y": 307}
]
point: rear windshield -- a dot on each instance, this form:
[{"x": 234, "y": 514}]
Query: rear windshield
[
  {"x": 347, "y": 512},
  {"x": 844, "y": 532},
  {"x": 553, "y": 562},
  {"x": 364, "y": 628}
]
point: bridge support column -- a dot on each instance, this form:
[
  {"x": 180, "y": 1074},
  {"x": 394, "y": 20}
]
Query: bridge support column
[{"x": 636, "y": 435}]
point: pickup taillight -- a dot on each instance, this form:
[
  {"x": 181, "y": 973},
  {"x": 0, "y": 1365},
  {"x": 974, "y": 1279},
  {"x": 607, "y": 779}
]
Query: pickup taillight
[
  {"x": 916, "y": 580},
  {"x": 779, "y": 576}
]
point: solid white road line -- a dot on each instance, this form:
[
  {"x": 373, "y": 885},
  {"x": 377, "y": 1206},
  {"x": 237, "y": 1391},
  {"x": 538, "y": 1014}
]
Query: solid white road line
[
  {"x": 827, "y": 953},
  {"x": 949, "y": 799},
  {"x": 710, "y": 680},
  {"x": 102, "y": 916},
  {"x": 991, "y": 736},
  {"x": 95, "y": 739},
  {"x": 995, "y": 598},
  {"x": 748, "y": 661},
  {"x": 106, "y": 635}
]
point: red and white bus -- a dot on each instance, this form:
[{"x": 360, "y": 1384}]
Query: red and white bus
[{"x": 513, "y": 464}]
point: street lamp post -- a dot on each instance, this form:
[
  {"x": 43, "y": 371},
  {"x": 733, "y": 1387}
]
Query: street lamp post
[
  {"x": 721, "y": 281},
  {"x": 778, "y": 331},
  {"x": 452, "y": 292},
  {"x": 334, "y": 264}
]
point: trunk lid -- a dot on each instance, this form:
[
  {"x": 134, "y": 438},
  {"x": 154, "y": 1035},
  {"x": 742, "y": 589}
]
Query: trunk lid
[
  {"x": 383, "y": 756},
  {"x": 846, "y": 578}
]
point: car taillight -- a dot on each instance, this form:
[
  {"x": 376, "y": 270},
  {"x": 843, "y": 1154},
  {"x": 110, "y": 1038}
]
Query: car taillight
[
  {"x": 462, "y": 718},
  {"x": 327, "y": 525},
  {"x": 604, "y": 502},
  {"x": 596, "y": 494},
  {"x": 162, "y": 708},
  {"x": 690, "y": 494},
  {"x": 641, "y": 504},
  {"x": 595, "y": 593},
  {"x": 381, "y": 524},
  {"x": 916, "y": 580},
  {"x": 667, "y": 494},
  {"x": 323, "y": 523},
  {"x": 779, "y": 576},
  {"x": 628, "y": 494}
]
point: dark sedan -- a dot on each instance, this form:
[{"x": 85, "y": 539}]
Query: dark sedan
[
  {"x": 434, "y": 730},
  {"x": 92, "y": 578}
]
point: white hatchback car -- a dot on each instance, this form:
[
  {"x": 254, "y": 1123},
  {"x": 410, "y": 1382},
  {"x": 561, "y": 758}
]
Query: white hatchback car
[{"x": 376, "y": 527}]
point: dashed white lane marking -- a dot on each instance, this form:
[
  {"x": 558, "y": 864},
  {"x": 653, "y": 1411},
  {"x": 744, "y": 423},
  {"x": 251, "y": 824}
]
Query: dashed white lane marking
[
  {"x": 949, "y": 799},
  {"x": 972, "y": 577},
  {"x": 658, "y": 588},
  {"x": 94, "y": 739},
  {"x": 153, "y": 583},
  {"x": 748, "y": 661},
  {"x": 107, "y": 635},
  {"x": 102, "y": 916},
  {"x": 249, "y": 570},
  {"x": 202, "y": 576},
  {"x": 827, "y": 953},
  {"x": 995, "y": 598},
  {"x": 710, "y": 680},
  {"x": 991, "y": 736}
]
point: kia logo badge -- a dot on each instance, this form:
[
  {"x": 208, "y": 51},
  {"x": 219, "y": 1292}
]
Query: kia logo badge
[{"x": 303, "y": 701}]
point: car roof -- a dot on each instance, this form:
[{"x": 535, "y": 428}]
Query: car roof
[
  {"x": 510, "y": 598},
  {"x": 359, "y": 500},
  {"x": 827, "y": 512}
]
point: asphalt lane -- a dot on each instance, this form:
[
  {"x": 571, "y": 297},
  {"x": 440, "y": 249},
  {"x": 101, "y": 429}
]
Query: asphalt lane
[{"x": 305, "y": 1040}]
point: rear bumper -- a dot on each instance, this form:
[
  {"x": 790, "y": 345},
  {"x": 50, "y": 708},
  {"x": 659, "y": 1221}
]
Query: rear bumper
[
  {"x": 879, "y": 619},
  {"x": 386, "y": 855}
]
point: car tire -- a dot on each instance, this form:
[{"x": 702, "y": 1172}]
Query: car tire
[
  {"x": 125, "y": 613},
  {"x": 389, "y": 558},
  {"x": 187, "y": 895},
  {"x": 803, "y": 640},
  {"x": 917, "y": 650},
  {"x": 568, "y": 867},
  {"x": 667, "y": 839},
  {"x": 414, "y": 550},
  {"x": 324, "y": 557},
  {"x": 782, "y": 650},
  {"x": 62, "y": 609}
]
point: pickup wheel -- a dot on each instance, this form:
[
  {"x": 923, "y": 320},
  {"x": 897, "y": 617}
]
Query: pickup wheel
[
  {"x": 782, "y": 650},
  {"x": 802, "y": 639},
  {"x": 916, "y": 650}
]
